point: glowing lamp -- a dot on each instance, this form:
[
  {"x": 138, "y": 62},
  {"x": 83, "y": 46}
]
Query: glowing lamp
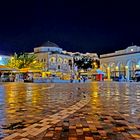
[
  {"x": 126, "y": 67},
  {"x": 137, "y": 66}
]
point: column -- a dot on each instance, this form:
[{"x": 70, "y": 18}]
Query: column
[
  {"x": 108, "y": 73},
  {"x": 127, "y": 73},
  {"x": 116, "y": 71}
]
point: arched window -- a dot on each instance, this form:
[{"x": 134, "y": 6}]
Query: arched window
[
  {"x": 52, "y": 59},
  {"x": 65, "y": 61},
  {"x": 60, "y": 60}
]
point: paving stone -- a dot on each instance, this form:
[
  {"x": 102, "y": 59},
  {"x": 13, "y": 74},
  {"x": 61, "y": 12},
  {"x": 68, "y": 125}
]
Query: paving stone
[{"x": 112, "y": 113}]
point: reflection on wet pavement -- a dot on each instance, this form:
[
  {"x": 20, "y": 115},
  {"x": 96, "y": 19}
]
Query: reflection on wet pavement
[
  {"x": 24, "y": 104},
  {"x": 113, "y": 112}
]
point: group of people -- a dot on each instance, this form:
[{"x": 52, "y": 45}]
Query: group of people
[
  {"x": 10, "y": 77},
  {"x": 14, "y": 77},
  {"x": 78, "y": 78}
]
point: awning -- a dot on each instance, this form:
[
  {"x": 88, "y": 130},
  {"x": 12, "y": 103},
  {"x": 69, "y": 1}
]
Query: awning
[
  {"x": 29, "y": 70},
  {"x": 5, "y": 68}
]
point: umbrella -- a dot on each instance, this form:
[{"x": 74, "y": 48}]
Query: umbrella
[{"x": 98, "y": 71}]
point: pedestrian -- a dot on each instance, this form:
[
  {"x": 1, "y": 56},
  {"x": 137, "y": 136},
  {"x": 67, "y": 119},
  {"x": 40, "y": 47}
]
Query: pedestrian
[
  {"x": 79, "y": 79},
  {"x": 11, "y": 78},
  {"x": 2, "y": 77},
  {"x": 84, "y": 79},
  {"x": 71, "y": 80},
  {"x": 17, "y": 77}
]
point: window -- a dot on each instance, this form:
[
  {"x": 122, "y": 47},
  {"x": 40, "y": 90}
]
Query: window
[
  {"x": 59, "y": 67},
  {"x": 60, "y": 60},
  {"x": 52, "y": 59},
  {"x": 70, "y": 64},
  {"x": 65, "y": 61}
]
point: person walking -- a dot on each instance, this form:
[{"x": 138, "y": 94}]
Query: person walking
[
  {"x": 71, "y": 79},
  {"x": 79, "y": 79},
  {"x": 84, "y": 79}
]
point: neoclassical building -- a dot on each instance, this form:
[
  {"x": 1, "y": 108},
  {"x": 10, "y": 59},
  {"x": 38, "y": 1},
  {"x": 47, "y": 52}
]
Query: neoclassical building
[
  {"x": 122, "y": 62},
  {"x": 54, "y": 58}
]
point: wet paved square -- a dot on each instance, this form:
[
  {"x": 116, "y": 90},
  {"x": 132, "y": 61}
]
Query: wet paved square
[
  {"x": 22, "y": 104},
  {"x": 90, "y": 111}
]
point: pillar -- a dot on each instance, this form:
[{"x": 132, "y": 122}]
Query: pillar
[
  {"x": 108, "y": 73},
  {"x": 117, "y": 71},
  {"x": 127, "y": 73}
]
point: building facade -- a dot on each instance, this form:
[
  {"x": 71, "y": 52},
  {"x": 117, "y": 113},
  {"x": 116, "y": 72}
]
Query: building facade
[
  {"x": 122, "y": 62},
  {"x": 92, "y": 56},
  {"x": 53, "y": 58}
]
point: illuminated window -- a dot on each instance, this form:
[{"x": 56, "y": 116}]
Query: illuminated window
[
  {"x": 52, "y": 60},
  {"x": 60, "y": 60},
  {"x": 65, "y": 61}
]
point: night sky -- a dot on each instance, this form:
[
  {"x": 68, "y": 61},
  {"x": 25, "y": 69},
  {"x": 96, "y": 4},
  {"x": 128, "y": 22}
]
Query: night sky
[{"x": 100, "y": 26}]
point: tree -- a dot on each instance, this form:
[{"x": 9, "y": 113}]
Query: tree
[
  {"x": 83, "y": 63},
  {"x": 24, "y": 60},
  {"x": 14, "y": 62},
  {"x": 86, "y": 62}
]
